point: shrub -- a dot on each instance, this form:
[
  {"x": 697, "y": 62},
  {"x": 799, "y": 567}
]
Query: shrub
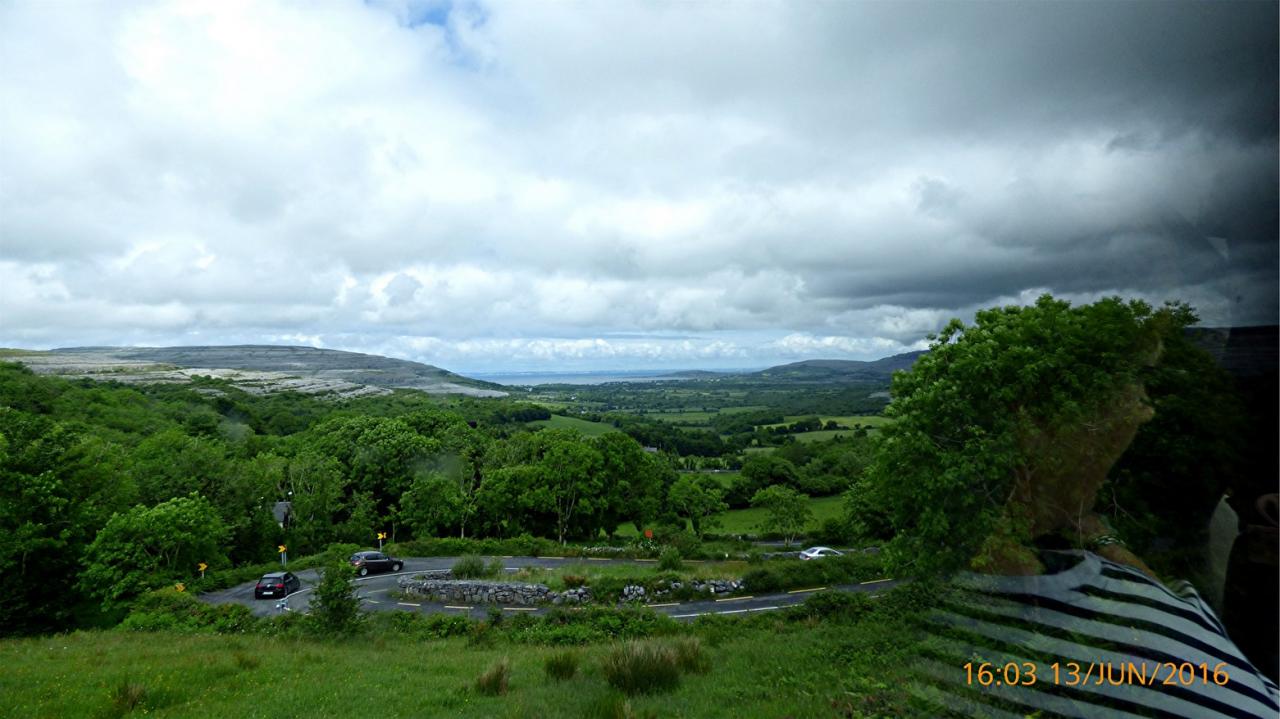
[
  {"x": 496, "y": 568},
  {"x": 789, "y": 573},
  {"x": 495, "y": 615},
  {"x": 832, "y": 605},
  {"x": 561, "y": 666},
  {"x": 469, "y": 567},
  {"x": 493, "y": 681},
  {"x": 670, "y": 560},
  {"x": 573, "y": 581},
  {"x": 689, "y": 655},
  {"x": 642, "y": 668},
  {"x": 334, "y": 606},
  {"x": 615, "y": 706},
  {"x": 127, "y": 696}
]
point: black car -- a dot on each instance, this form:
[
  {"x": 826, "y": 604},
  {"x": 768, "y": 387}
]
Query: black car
[
  {"x": 276, "y": 584},
  {"x": 367, "y": 563}
]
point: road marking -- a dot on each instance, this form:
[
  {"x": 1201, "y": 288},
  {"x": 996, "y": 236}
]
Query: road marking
[
  {"x": 597, "y": 559},
  {"x": 802, "y": 591},
  {"x": 734, "y": 611},
  {"x": 540, "y": 557},
  {"x": 450, "y": 606},
  {"x": 408, "y": 604},
  {"x": 668, "y": 604},
  {"x": 695, "y": 561},
  {"x": 519, "y": 609},
  {"x": 508, "y": 556},
  {"x": 735, "y": 599},
  {"x": 686, "y": 616},
  {"x": 646, "y": 560},
  {"x": 373, "y": 601},
  {"x": 877, "y": 581}
]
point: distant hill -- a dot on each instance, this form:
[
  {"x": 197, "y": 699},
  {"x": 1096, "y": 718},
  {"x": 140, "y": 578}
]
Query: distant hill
[
  {"x": 262, "y": 368},
  {"x": 880, "y": 370}
]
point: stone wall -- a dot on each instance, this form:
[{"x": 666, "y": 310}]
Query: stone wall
[{"x": 477, "y": 591}]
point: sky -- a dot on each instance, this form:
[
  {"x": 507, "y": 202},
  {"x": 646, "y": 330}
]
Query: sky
[{"x": 607, "y": 185}]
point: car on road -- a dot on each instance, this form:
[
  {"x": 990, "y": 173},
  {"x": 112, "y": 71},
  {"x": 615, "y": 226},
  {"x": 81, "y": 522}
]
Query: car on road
[
  {"x": 367, "y": 563},
  {"x": 276, "y": 584},
  {"x": 820, "y": 553}
]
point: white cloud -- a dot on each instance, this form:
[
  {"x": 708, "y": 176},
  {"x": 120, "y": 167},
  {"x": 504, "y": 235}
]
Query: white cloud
[{"x": 521, "y": 182}]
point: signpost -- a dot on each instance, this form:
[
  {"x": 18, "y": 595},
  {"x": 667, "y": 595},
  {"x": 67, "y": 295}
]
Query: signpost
[
  {"x": 381, "y": 536},
  {"x": 180, "y": 587},
  {"x": 202, "y": 566},
  {"x": 284, "y": 554}
]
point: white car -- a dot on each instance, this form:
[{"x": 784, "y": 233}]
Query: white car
[{"x": 819, "y": 553}]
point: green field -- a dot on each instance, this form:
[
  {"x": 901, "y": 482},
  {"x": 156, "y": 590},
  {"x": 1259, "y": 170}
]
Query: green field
[
  {"x": 773, "y": 670},
  {"x": 747, "y": 521},
  {"x": 587, "y": 429}
]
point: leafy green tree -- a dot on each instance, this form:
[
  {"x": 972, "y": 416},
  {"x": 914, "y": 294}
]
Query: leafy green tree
[
  {"x": 634, "y": 481},
  {"x": 58, "y": 486},
  {"x": 148, "y": 547},
  {"x": 432, "y": 505},
  {"x": 788, "y": 511},
  {"x": 699, "y": 499},
  {"x": 760, "y": 471},
  {"x": 173, "y": 464},
  {"x": 570, "y": 485},
  {"x": 317, "y": 488},
  {"x": 334, "y": 604},
  {"x": 1016, "y": 395}
]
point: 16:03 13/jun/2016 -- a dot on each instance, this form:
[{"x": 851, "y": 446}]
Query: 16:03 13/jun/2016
[{"x": 1077, "y": 674}]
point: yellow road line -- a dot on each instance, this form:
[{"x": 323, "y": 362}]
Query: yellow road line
[
  {"x": 802, "y": 591},
  {"x": 736, "y": 599},
  {"x": 877, "y": 581}
]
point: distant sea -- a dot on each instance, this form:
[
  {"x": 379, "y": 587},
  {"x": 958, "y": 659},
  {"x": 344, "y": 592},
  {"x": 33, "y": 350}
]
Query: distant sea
[{"x": 524, "y": 379}]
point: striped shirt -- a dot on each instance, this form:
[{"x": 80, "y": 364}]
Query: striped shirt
[{"x": 1092, "y": 639}]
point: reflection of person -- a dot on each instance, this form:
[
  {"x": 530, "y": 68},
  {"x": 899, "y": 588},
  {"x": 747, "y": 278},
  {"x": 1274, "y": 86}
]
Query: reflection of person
[{"x": 1072, "y": 623}]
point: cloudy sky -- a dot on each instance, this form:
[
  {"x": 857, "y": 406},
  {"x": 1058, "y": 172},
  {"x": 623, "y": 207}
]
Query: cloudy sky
[{"x": 529, "y": 185}]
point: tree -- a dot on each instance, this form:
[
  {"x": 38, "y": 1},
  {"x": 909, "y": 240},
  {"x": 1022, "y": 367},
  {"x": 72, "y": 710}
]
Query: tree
[
  {"x": 148, "y": 547},
  {"x": 788, "y": 511},
  {"x": 1014, "y": 396},
  {"x": 760, "y": 471},
  {"x": 697, "y": 498},
  {"x": 432, "y": 505},
  {"x": 570, "y": 484},
  {"x": 334, "y": 605}
]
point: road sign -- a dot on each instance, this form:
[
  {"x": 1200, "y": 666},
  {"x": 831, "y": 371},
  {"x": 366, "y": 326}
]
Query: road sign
[
  {"x": 648, "y": 534},
  {"x": 202, "y": 566},
  {"x": 284, "y": 554},
  {"x": 180, "y": 587},
  {"x": 282, "y": 549},
  {"x": 382, "y": 535}
]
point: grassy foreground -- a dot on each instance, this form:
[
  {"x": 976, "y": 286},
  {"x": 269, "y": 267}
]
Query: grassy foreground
[
  {"x": 764, "y": 668},
  {"x": 87, "y": 674}
]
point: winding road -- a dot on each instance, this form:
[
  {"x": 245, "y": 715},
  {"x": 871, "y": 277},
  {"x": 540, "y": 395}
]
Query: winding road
[{"x": 376, "y": 592}]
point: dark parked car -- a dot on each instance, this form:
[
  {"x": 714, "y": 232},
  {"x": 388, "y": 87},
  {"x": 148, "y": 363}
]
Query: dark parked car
[
  {"x": 276, "y": 584},
  {"x": 367, "y": 563}
]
